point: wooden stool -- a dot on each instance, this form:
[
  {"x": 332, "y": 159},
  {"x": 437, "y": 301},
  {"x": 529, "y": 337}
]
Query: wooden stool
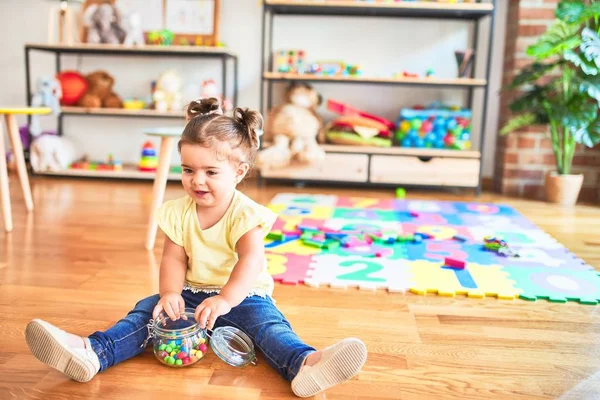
[
  {"x": 17, "y": 147},
  {"x": 167, "y": 138}
]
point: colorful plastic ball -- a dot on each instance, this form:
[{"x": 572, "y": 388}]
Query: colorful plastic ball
[
  {"x": 465, "y": 136},
  {"x": 413, "y": 134},
  {"x": 168, "y": 349},
  {"x": 416, "y": 123},
  {"x": 419, "y": 142},
  {"x": 162, "y": 347},
  {"x": 440, "y": 122},
  {"x": 170, "y": 361},
  {"x": 457, "y": 130},
  {"x": 430, "y": 138},
  {"x": 181, "y": 355},
  {"x": 178, "y": 362},
  {"x": 406, "y": 142},
  {"x": 464, "y": 122},
  {"x": 186, "y": 361},
  {"x": 439, "y": 144},
  {"x": 427, "y": 126},
  {"x": 449, "y": 140},
  {"x": 451, "y": 124},
  {"x": 202, "y": 348},
  {"x": 405, "y": 126}
]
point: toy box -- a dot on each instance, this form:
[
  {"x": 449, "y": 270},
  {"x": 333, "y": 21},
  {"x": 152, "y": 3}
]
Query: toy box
[{"x": 440, "y": 128}]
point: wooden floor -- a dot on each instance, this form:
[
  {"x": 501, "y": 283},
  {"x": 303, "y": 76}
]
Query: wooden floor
[{"x": 79, "y": 262}]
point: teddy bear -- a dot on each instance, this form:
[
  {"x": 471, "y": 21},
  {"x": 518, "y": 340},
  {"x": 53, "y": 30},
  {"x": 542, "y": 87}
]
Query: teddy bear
[
  {"x": 99, "y": 92},
  {"x": 294, "y": 130}
]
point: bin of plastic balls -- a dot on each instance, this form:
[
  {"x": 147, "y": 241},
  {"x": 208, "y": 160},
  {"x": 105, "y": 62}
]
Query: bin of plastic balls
[
  {"x": 434, "y": 128},
  {"x": 182, "y": 342}
]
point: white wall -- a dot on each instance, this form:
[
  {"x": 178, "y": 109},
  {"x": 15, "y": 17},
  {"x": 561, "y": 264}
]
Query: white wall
[{"x": 381, "y": 45}]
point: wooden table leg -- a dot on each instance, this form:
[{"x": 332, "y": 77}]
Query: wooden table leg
[
  {"x": 4, "y": 193},
  {"x": 17, "y": 146},
  {"x": 158, "y": 191}
]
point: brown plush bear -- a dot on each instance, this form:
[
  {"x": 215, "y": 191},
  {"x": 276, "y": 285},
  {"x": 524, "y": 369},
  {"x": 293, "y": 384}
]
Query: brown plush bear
[
  {"x": 293, "y": 129},
  {"x": 99, "y": 92}
]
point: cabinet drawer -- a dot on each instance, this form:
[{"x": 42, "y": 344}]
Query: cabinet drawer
[
  {"x": 336, "y": 167},
  {"x": 427, "y": 171}
]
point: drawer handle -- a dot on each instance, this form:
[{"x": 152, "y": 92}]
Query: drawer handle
[{"x": 425, "y": 158}]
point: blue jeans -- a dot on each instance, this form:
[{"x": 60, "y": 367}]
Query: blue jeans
[{"x": 257, "y": 317}]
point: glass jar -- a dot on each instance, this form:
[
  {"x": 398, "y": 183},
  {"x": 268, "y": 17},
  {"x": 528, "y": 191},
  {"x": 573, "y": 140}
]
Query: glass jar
[
  {"x": 182, "y": 343},
  {"x": 178, "y": 343}
]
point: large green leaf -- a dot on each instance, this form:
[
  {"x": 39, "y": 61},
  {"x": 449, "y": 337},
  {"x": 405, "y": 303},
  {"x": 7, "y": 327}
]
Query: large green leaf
[
  {"x": 518, "y": 122},
  {"x": 576, "y": 114},
  {"x": 558, "y": 38},
  {"x": 590, "y": 135},
  {"x": 591, "y": 86},
  {"x": 588, "y": 68},
  {"x": 531, "y": 100},
  {"x": 592, "y": 11},
  {"x": 591, "y": 46},
  {"x": 570, "y": 10},
  {"x": 532, "y": 73}
]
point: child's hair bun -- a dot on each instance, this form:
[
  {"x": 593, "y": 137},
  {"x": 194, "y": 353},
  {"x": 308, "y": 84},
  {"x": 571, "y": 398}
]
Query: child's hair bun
[
  {"x": 207, "y": 106},
  {"x": 252, "y": 122}
]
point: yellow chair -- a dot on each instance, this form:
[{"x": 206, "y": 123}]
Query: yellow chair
[{"x": 17, "y": 147}]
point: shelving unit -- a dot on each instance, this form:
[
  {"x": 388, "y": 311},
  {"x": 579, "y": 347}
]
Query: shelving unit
[
  {"x": 383, "y": 166},
  {"x": 227, "y": 58}
]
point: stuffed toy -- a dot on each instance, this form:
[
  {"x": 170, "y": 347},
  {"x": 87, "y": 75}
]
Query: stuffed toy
[
  {"x": 135, "y": 33},
  {"x": 167, "y": 95},
  {"x": 52, "y": 153},
  {"x": 104, "y": 24},
  {"x": 294, "y": 130},
  {"x": 99, "y": 92},
  {"x": 48, "y": 94}
]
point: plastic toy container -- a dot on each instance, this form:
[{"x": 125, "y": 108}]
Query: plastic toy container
[
  {"x": 434, "y": 128},
  {"x": 183, "y": 343}
]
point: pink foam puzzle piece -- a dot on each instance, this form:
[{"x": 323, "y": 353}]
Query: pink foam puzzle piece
[{"x": 296, "y": 268}]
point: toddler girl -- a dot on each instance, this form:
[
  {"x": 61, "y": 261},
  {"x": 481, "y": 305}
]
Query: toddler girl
[{"x": 214, "y": 261}]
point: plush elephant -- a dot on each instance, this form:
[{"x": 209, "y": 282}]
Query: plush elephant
[{"x": 104, "y": 23}]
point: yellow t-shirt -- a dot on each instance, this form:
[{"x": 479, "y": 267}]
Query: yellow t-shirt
[{"x": 211, "y": 252}]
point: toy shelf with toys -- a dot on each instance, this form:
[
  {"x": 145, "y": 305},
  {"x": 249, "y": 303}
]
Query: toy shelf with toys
[
  {"x": 74, "y": 86},
  {"x": 426, "y": 145}
]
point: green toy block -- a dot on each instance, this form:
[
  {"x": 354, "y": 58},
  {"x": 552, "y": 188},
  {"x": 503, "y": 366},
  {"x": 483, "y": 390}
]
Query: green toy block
[
  {"x": 313, "y": 243},
  {"x": 405, "y": 238},
  {"x": 279, "y": 236},
  {"x": 331, "y": 244}
]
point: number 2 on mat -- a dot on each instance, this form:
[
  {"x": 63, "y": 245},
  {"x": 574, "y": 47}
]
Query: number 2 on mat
[{"x": 363, "y": 274}]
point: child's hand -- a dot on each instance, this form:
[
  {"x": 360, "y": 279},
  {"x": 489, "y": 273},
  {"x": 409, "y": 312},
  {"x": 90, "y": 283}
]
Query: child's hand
[
  {"x": 210, "y": 309},
  {"x": 172, "y": 303}
]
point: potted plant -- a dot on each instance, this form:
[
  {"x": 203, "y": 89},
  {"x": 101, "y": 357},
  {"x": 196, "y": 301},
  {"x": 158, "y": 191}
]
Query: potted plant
[{"x": 561, "y": 88}]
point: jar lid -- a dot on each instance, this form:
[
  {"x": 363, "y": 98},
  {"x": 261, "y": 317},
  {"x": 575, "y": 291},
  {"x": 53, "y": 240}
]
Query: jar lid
[
  {"x": 182, "y": 327},
  {"x": 233, "y": 346}
]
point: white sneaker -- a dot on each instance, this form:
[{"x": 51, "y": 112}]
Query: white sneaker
[
  {"x": 338, "y": 363},
  {"x": 49, "y": 345}
]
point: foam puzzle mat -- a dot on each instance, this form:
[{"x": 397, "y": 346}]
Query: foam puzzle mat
[{"x": 407, "y": 245}]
